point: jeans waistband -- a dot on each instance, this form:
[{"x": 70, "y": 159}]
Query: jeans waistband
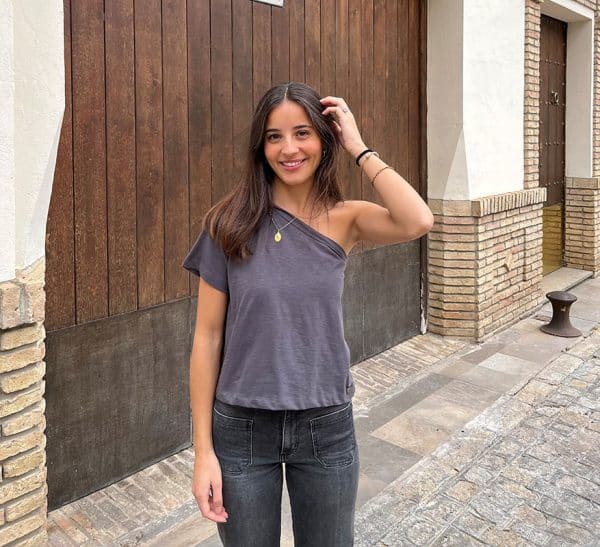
[{"x": 249, "y": 413}]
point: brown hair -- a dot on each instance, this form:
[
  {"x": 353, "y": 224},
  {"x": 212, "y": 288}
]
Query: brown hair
[{"x": 233, "y": 220}]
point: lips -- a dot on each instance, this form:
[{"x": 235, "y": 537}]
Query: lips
[{"x": 292, "y": 165}]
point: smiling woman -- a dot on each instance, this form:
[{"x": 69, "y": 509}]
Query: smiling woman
[
  {"x": 270, "y": 373},
  {"x": 292, "y": 146}
]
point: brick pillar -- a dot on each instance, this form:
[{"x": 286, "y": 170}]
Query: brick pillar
[
  {"x": 485, "y": 262},
  {"x": 23, "y": 489},
  {"x": 582, "y": 224},
  {"x": 532, "y": 94}
]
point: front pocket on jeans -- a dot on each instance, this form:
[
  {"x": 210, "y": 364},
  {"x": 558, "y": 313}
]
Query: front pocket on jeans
[
  {"x": 334, "y": 442},
  {"x": 232, "y": 442}
]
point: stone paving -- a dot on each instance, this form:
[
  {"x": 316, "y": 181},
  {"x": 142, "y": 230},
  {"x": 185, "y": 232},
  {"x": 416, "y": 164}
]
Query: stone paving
[
  {"x": 526, "y": 471},
  {"x": 460, "y": 444}
]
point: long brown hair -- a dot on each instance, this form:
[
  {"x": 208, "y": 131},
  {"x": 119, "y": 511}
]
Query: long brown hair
[{"x": 233, "y": 220}]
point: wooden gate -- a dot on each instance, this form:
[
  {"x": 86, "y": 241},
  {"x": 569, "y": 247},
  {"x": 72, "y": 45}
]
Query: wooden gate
[
  {"x": 553, "y": 62},
  {"x": 158, "y": 104}
]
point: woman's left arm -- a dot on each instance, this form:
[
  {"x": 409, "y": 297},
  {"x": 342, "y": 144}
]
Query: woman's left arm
[{"x": 405, "y": 216}]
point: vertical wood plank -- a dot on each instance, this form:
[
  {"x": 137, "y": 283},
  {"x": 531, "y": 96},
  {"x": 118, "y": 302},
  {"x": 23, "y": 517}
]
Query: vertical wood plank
[
  {"x": 199, "y": 118},
  {"x": 394, "y": 133},
  {"x": 403, "y": 148},
  {"x": 328, "y": 48},
  {"x": 120, "y": 156},
  {"x": 543, "y": 139},
  {"x": 354, "y": 86},
  {"x": 261, "y": 49},
  {"x": 312, "y": 43},
  {"x": 175, "y": 151},
  {"x": 423, "y": 147},
  {"x": 89, "y": 160},
  {"x": 60, "y": 253},
  {"x": 221, "y": 98},
  {"x": 411, "y": 90},
  {"x": 379, "y": 95},
  {"x": 280, "y": 44},
  {"x": 341, "y": 77},
  {"x": 341, "y": 48},
  {"x": 297, "y": 73},
  {"x": 423, "y": 122},
  {"x": 149, "y": 151},
  {"x": 367, "y": 88},
  {"x": 242, "y": 81}
]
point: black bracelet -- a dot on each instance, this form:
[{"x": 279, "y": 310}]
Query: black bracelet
[{"x": 361, "y": 155}]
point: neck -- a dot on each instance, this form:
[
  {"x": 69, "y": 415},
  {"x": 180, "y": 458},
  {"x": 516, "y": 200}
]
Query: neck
[{"x": 298, "y": 200}]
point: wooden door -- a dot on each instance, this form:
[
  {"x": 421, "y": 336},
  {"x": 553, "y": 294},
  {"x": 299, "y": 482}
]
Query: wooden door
[
  {"x": 553, "y": 62},
  {"x": 159, "y": 97},
  {"x": 553, "y": 77}
]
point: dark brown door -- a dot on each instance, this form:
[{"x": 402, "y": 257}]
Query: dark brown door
[
  {"x": 553, "y": 60},
  {"x": 553, "y": 63},
  {"x": 158, "y": 104}
]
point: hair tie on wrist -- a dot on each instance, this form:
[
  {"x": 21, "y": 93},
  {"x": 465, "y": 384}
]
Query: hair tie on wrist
[{"x": 362, "y": 154}]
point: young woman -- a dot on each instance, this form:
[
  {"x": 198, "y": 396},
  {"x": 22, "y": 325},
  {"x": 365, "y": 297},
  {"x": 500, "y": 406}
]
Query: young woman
[{"x": 270, "y": 378}]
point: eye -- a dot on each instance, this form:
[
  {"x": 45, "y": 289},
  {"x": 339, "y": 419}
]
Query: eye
[
  {"x": 303, "y": 133},
  {"x": 272, "y": 137}
]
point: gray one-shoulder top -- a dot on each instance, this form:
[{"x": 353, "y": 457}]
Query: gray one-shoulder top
[{"x": 284, "y": 345}]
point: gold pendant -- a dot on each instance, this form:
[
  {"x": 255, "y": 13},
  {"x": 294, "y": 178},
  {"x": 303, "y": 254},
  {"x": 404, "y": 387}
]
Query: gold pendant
[{"x": 278, "y": 236}]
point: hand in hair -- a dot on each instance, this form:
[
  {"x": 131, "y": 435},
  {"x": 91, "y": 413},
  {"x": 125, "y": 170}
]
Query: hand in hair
[{"x": 344, "y": 124}]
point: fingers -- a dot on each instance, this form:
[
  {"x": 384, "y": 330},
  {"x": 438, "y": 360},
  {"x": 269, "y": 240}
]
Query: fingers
[
  {"x": 206, "y": 504},
  {"x": 335, "y": 106},
  {"x": 217, "y": 498},
  {"x": 335, "y": 110},
  {"x": 333, "y": 101}
]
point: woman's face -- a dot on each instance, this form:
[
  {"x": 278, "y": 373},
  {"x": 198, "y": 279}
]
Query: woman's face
[{"x": 292, "y": 145}]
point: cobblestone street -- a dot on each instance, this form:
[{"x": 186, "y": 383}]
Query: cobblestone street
[
  {"x": 460, "y": 444},
  {"x": 524, "y": 472}
]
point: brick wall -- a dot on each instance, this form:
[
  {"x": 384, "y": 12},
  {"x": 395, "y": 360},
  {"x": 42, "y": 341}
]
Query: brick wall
[
  {"x": 532, "y": 94},
  {"x": 23, "y": 486},
  {"x": 485, "y": 262},
  {"x": 582, "y": 224},
  {"x": 552, "y": 228}
]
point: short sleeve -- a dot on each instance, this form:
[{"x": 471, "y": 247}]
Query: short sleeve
[{"x": 206, "y": 259}]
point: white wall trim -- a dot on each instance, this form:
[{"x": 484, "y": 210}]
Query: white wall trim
[{"x": 568, "y": 11}]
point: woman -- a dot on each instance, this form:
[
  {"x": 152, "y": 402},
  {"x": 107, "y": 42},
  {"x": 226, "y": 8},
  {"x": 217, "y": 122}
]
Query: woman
[{"x": 270, "y": 379}]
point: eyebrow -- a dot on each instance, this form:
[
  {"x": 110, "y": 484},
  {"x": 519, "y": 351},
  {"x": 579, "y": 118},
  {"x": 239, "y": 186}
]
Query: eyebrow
[{"x": 273, "y": 129}]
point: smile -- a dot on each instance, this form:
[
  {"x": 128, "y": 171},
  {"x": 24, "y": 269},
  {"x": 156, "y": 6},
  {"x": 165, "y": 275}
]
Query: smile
[{"x": 291, "y": 165}]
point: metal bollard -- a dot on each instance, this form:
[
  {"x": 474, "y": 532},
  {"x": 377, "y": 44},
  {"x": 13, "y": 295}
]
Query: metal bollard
[{"x": 560, "y": 324}]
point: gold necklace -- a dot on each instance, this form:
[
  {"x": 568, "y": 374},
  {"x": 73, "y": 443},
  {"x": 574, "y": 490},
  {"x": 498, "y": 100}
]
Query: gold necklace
[{"x": 277, "y": 237}]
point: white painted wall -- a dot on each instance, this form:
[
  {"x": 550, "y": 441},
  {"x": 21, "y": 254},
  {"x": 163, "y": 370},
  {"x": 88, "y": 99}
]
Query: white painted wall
[
  {"x": 580, "y": 100},
  {"x": 7, "y": 139},
  {"x": 33, "y": 55},
  {"x": 475, "y": 94},
  {"x": 446, "y": 161}
]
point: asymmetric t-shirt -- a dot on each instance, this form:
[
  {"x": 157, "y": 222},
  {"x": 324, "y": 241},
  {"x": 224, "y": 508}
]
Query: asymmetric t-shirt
[{"x": 284, "y": 345}]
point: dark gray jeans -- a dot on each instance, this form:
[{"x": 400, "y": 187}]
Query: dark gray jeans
[{"x": 318, "y": 447}]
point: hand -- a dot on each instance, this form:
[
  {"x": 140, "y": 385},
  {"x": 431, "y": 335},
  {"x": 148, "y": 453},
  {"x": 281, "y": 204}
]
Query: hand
[
  {"x": 344, "y": 124},
  {"x": 207, "y": 487}
]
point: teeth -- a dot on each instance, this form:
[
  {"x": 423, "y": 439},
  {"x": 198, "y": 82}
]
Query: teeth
[{"x": 291, "y": 163}]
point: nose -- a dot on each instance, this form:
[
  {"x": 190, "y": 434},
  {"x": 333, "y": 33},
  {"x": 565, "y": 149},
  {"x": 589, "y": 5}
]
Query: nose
[{"x": 289, "y": 146}]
